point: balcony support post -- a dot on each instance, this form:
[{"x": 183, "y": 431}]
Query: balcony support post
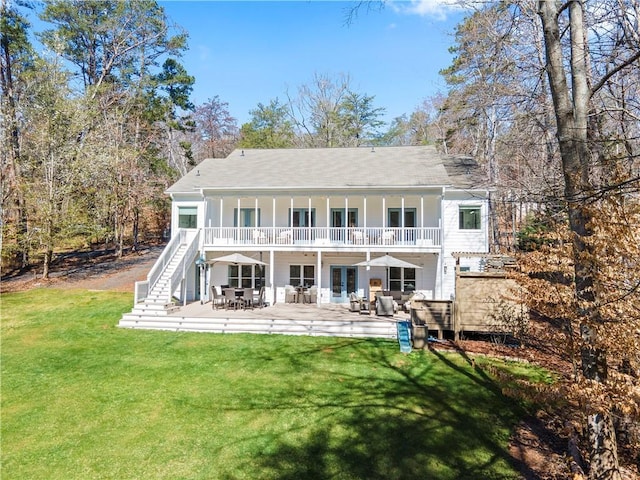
[
  {"x": 402, "y": 224},
  {"x": 328, "y": 218},
  {"x": 365, "y": 215},
  {"x": 346, "y": 219},
  {"x": 319, "y": 274}
]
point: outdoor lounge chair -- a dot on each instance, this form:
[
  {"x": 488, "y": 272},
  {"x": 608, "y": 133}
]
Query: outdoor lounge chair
[
  {"x": 358, "y": 304},
  {"x": 354, "y": 302},
  {"x": 385, "y": 306},
  {"x": 217, "y": 300}
]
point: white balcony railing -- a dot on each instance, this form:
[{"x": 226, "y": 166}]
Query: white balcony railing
[{"x": 322, "y": 236}]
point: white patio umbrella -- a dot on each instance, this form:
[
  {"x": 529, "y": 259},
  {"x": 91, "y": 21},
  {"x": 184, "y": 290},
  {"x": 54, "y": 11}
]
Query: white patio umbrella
[
  {"x": 236, "y": 258},
  {"x": 386, "y": 261}
]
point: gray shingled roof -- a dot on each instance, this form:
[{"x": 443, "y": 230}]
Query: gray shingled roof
[{"x": 332, "y": 168}]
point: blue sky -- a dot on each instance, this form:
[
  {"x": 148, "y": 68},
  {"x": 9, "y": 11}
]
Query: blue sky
[{"x": 251, "y": 52}]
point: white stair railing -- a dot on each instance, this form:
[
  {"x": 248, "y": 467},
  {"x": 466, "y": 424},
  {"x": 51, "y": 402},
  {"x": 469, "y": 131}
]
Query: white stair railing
[
  {"x": 180, "y": 273},
  {"x": 142, "y": 288}
]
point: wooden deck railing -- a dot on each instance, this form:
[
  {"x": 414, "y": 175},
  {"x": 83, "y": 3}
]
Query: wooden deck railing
[{"x": 322, "y": 236}]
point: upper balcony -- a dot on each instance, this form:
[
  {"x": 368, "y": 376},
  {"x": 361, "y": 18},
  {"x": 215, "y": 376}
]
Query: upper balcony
[{"x": 323, "y": 237}]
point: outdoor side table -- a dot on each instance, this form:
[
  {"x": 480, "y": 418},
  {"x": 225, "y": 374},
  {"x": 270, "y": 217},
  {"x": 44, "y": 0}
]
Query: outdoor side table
[{"x": 365, "y": 307}]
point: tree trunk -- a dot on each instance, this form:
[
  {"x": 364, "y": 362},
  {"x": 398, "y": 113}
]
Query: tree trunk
[
  {"x": 571, "y": 110},
  {"x": 136, "y": 228},
  {"x": 604, "y": 457},
  {"x": 46, "y": 263},
  {"x": 119, "y": 238}
]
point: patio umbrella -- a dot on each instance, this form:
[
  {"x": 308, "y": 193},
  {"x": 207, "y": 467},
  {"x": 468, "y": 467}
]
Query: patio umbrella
[
  {"x": 386, "y": 261},
  {"x": 236, "y": 258}
]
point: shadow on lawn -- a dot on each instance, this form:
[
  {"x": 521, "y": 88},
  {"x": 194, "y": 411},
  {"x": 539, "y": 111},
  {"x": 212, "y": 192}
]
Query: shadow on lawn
[{"x": 405, "y": 427}]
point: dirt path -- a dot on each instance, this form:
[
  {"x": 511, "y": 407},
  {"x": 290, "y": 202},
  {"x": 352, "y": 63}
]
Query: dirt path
[{"x": 90, "y": 270}]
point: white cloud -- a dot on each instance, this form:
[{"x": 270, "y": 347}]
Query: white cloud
[{"x": 425, "y": 8}]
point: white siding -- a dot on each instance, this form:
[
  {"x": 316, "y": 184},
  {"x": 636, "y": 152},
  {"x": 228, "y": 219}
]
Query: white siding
[
  {"x": 187, "y": 201},
  {"x": 460, "y": 240}
]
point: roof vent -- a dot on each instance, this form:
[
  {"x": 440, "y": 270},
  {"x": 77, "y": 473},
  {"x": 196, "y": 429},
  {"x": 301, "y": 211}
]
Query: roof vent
[
  {"x": 197, "y": 173},
  {"x": 373, "y": 149},
  {"x": 242, "y": 153}
]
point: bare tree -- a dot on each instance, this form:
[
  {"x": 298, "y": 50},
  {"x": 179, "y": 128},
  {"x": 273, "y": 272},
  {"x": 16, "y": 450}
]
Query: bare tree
[
  {"x": 54, "y": 121},
  {"x": 330, "y": 113},
  {"x": 315, "y": 111},
  {"x": 216, "y": 130}
]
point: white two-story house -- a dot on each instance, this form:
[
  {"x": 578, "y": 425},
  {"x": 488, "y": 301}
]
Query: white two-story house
[{"x": 311, "y": 215}]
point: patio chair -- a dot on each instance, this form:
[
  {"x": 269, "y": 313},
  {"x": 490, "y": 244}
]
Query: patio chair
[
  {"x": 354, "y": 302},
  {"x": 386, "y": 306},
  {"x": 247, "y": 298},
  {"x": 231, "y": 301},
  {"x": 258, "y": 300},
  {"x": 357, "y": 237},
  {"x": 312, "y": 294},
  {"x": 290, "y": 294},
  {"x": 259, "y": 237},
  {"x": 388, "y": 237},
  {"x": 218, "y": 301},
  {"x": 285, "y": 236}
]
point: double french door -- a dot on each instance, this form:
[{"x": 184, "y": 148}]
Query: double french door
[{"x": 344, "y": 280}]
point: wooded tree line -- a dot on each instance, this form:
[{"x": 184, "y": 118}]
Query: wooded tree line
[
  {"x": 546, "y": 96},
  {"x": 90, "y": 124}
]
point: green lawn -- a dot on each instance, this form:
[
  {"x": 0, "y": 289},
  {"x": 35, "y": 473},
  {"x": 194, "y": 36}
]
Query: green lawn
[{"x": 82, "y": 399}]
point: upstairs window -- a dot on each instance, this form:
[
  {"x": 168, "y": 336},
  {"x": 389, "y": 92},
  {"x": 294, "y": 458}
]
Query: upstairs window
[
  {"x": 188, "y": 217},
  {"x": 469, "y": 218}
]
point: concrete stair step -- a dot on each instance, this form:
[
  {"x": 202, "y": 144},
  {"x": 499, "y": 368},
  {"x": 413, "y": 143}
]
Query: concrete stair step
[{"x": 264, "y": 326}]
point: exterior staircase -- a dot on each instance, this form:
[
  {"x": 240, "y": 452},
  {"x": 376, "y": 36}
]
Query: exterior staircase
[{"x": 158, "y": 301}]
